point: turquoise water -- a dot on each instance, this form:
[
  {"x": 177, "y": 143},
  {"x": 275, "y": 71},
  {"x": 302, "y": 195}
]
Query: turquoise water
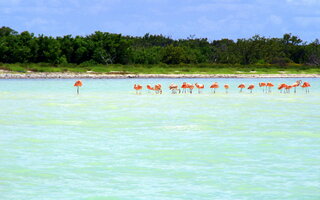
[{"x": 108, "y": 143}]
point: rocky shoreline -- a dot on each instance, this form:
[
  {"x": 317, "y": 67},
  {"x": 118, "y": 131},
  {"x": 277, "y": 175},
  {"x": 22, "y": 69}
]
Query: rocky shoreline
[{"x": 52, "y": 75}]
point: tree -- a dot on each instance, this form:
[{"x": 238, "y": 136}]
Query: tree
[
  {"x": 173, "y": 55},
  {"x": 6, "y": 31},
  {"x": 313, "y": 53}
]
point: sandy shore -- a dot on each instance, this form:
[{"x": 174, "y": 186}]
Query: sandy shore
[{"x": 34, "y": 75}]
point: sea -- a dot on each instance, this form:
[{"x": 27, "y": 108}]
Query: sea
[{"x": 109, "y": 143}]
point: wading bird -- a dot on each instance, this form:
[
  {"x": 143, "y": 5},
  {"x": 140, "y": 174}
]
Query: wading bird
[
  {"x": 288, "y": 87},
  {"x": 306, "y": 85},
  {"x": 282, "y": 87},
  {"x": 214, "y": 86},
  {"x": 241, "y": 86},
  {"x": 150, "y": 88},
  {"x": 263, "y": 85},
  {"x": 78, "y": 84},
  {"x": 138, "y": 88},
  {"x": 157, "y": 88},
  {"x": 200, "y": 87},
  {"x": 269, "y": 85},
  {"x": 184, "y": 87},
  {"x": 174, "y": 88},
  {"x": 296, "y": 84},
  {"x": 190, "y": 87},
  {"x": 226, "y": 86},
  {"x": 251, "y": 88}
]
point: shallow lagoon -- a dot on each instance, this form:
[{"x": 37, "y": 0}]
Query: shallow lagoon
[{"x": 108, "y": 143}]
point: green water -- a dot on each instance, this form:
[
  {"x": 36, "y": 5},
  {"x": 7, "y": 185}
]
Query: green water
[{"x": 108, "y": 143}]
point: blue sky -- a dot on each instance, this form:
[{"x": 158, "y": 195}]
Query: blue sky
[{"x": 213, "y": 19}]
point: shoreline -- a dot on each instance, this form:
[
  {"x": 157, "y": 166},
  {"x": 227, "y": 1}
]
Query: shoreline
[{"x": 53, "y": 75}]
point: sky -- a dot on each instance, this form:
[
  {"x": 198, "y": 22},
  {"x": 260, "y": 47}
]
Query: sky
[{"x": 212, "y": 19}]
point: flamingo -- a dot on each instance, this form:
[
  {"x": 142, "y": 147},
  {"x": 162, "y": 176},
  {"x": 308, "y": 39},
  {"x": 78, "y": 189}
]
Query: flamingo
[
  {"x": 174, "y": 88},
  {"x": 200, "y": 87},
  {"x": 184, "y": 87},
  {"x": 263, "y": 84},
  {"x": 190, "y": 86},
  {"x": 296, "y": 84},
  {"x": 77, "y": 84},
  {"x": 241, "y": 86},
  {"x": 269, "y": 85},
  {"x": 214, "y": 86},
  {"x": 226, "y": 86},
  {"x": 306, "y": 85},
  {"x": 288, "y": 88},
  {"x": 281, "y": 87},
  {"x": 149, "y": 88},
  {"x": 138, "y": 88},
  {"x": 158, "y": 89},
  {"x": 251, "y": 88}
]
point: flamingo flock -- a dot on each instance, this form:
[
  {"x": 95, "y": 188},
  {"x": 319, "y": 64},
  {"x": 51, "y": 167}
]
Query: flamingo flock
[
  {"x": 188, "y": 87},
  {"x": 157, "y": 88},
  {"x": 285, "y": 88}
]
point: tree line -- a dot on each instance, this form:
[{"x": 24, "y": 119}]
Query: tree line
[{"x": 109, "y": 48}]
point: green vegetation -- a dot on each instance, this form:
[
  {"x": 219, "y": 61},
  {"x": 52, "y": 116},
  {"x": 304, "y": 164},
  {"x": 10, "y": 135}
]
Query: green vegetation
[
  {"x": 164, "y": 68},
  {"x": 104, "y": 52}
]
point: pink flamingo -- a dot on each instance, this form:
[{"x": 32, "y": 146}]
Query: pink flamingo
[
  {"x": 306, "y": 85},
  {"x": 214, "y": 86},
  {"x": 241, "y": 86},
  {"x": 226, "y": 86},
  {"x": 138, "y": 88},
  {"x": 281, "y": 87},
  {"x": 269, "y": 85},
  {"x": 251, "y": 88},
  {"x": 200, "y": 87},
  {"x": 174, "y": 88},
  {"x": 263, "y": 84}
]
